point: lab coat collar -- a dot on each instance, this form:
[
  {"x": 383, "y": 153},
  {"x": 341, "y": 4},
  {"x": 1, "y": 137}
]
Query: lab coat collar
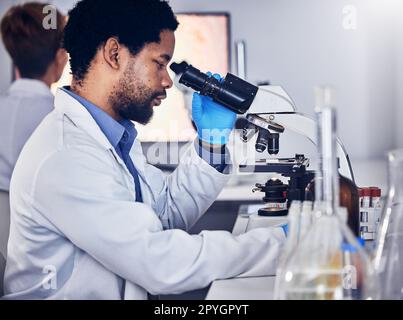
[
  {"x": 29, "y": 87},
  {"x": 112, "y": 129},
  {"x": 79, "y": 115}
]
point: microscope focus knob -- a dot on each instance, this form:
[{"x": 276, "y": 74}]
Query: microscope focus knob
[{"x": 258, "y": 187}]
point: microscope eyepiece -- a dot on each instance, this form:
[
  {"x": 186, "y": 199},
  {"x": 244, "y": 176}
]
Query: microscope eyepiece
[
  {"x": 232, "y": 92},
  {"x": 193, "y": 78},
  {"x": 179, "y": 68},
  {"x": 237, "y": 95}
]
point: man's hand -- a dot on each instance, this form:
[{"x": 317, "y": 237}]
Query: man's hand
[{"x": 214, "y": 122}]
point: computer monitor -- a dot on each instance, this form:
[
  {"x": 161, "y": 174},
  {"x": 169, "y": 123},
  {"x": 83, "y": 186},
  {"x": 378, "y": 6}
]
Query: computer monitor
[{"x": 202, "y": 39}]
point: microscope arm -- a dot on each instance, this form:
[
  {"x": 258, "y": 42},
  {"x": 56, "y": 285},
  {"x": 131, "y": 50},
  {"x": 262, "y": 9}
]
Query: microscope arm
[
  {"x": 273, "y": 98},
  {"x": 282, "y": 111},
  {"x": 305, "y": 126}
]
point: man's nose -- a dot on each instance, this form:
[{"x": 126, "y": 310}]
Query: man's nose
[{"x": 167, "y": 82}]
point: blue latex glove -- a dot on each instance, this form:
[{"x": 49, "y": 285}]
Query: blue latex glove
[
  {"x": 214, "y": 122},
  {"x": 350, "y": 247},
  {"x": 285, "y": 228}
]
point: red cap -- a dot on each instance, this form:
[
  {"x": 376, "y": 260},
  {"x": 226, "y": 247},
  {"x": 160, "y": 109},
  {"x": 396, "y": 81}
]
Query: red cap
[
  {"x": 366, "y": 192},
  {"x": 375, "y": 192}
]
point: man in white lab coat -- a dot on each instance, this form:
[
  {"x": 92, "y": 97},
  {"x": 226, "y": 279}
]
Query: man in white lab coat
[
  {"x": 90, "y": 218},
  {"x": 39, "y": 61}
]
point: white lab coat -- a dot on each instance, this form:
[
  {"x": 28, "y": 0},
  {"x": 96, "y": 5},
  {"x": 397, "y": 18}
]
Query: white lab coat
[
  {"x": 24, "y": 106},
  {"x": 77, "y": 233}
]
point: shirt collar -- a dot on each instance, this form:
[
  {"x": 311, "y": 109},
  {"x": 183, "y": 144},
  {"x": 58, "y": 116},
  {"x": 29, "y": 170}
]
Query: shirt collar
[
  {"x": 29, "y": 87},
  {"x": 112, "y": 129}
]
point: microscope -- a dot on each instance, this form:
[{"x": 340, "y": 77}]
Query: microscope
[{"x": 267, "y": 111}]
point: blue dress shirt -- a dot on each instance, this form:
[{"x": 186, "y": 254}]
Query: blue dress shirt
[{"x": 120, "y": 134}]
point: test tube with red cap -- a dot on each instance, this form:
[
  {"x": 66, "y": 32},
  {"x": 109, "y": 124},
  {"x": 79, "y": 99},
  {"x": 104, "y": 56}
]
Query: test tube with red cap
[
  {"x": 360, "y": 195},
  {"x": 366, "y": 197},
  {"x": 376, "y": 204},
  {"x": 375, "y": 197}
]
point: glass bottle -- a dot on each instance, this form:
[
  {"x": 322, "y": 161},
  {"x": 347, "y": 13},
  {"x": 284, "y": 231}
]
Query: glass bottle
[
  {"x": 388, "y": 260},
  {"x": 329, "y": 263},
  {"x": 349, "y": 198}
]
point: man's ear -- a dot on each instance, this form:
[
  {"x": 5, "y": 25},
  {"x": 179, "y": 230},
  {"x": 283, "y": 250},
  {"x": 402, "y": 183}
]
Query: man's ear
[{"x": 111, "y": 51}]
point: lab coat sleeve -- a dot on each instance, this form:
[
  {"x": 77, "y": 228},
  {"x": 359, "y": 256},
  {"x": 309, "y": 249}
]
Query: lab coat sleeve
[
  {"x": 184, "y": 196},
  {"x": 82, "y": 201}
]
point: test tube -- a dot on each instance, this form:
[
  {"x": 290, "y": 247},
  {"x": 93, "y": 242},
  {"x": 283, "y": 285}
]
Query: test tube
[
  {"x": 375, "y": 197},
  {"x": 361, "y": 195},
  {"x": 376, "y": 204},
  {"x": 366, "y": 197}
]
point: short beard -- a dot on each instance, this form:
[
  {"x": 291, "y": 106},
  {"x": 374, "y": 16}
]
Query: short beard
[{"x": 132, "y": 99}]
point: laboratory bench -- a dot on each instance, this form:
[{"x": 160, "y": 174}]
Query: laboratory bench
[
  {"x": 239, "y": 288},
  {"x": 251, "y": 288},
  {"x": 230, "y": 213},
  {"x": 238, "y": 220},
  {"x": 222, "y": 215}
]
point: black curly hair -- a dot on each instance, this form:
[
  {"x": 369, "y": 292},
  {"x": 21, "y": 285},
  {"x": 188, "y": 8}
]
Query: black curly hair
[{"x": 134, "y": 22}]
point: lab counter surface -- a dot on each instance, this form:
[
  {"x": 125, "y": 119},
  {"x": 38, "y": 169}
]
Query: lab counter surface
[
  {"x": 367, "y": 173},
  {"x": 255, "y": 288},
  {"x": 252, "y": 288}
]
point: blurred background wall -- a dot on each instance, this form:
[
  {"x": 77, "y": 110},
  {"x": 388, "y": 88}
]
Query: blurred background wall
[{"x": 355, "y": 45}]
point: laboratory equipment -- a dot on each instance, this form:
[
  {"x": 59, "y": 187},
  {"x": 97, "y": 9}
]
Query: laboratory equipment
[
  {"x": 232, "y": 92},
  {"x": 329, "y": 263},
  {"x": 370, "y": 212},
  {"x": 268, "y": 111},
  {"x": 389, "y": 252},
  {"x": 278, "y": 195},
  {"x": 349, "y": 198},
  {"x": 294, "y": 218}
]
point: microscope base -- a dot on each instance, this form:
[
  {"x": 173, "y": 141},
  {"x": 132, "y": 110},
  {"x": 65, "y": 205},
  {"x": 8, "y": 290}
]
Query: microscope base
[{"x": 249, "y": 219}]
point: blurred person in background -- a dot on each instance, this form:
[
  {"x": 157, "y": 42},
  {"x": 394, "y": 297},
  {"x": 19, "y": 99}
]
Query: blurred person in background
[{"x": 38, "y": 61}]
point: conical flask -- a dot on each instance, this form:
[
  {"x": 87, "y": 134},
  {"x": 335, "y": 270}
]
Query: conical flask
[
  {"x": 389, "y": 252},
  {"x": 329, "y": 263},
  {"x": 294, "y": 219}
]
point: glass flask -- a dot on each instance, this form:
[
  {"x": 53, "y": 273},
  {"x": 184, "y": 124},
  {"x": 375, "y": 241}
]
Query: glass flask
[
  {"x": 329, "y": 263},
  {"x": 294, "y": 219},
  {"x": 389, "y": 252}
]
